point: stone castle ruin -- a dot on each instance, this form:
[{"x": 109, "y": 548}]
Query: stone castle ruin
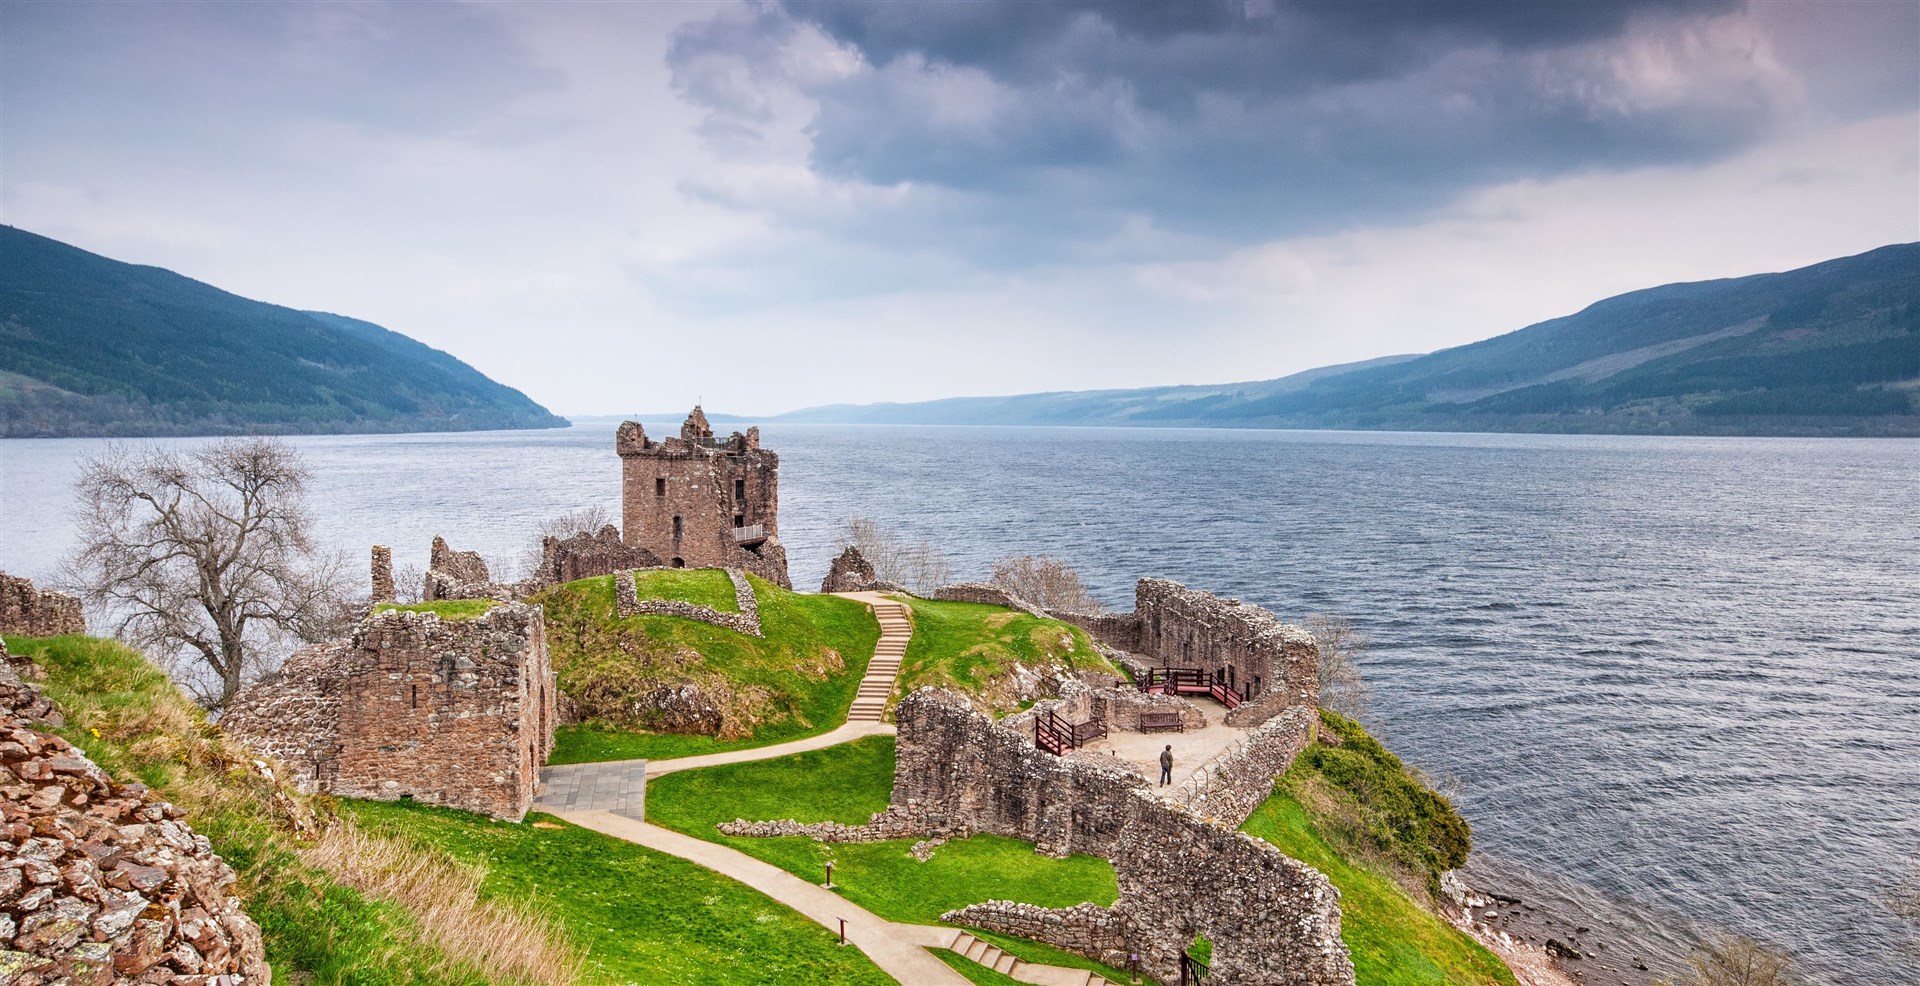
[
  {"x": 698, "y": 502},
  {"x": 26, "y": 611},
  {"x": 448, "y": 712},
  {"x": 1234, "y": 691}
]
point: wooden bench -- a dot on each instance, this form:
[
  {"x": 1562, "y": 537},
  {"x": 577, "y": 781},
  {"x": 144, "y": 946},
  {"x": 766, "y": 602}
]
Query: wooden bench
[
  {"x": 1091, "y": 729},
  {"x": 1153, "y": 722}
]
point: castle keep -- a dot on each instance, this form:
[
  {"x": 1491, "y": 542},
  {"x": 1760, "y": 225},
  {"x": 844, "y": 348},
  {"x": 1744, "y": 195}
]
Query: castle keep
[{"x": 698, "y": 502}]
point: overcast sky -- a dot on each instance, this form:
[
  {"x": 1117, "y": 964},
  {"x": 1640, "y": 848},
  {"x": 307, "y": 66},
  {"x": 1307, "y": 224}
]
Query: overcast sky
[{"x": 623, "y": 207}]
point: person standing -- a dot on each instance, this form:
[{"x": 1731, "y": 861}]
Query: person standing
[{"x": 1166, "y": 766}]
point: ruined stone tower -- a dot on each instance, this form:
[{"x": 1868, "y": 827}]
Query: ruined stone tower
[{"x": 698, "y": 502}]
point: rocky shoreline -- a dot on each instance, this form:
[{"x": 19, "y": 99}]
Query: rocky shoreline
[{"x": 1548, "y": 937}]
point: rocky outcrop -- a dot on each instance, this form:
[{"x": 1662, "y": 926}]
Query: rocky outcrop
[
  {"x": 851, "y": 572},
  {"x": 101, "y": 882},
  {"x": 26, "y": 611}
]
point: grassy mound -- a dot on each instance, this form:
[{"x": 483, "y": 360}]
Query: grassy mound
[
  {"x": 130, "y": 719},
  {"x": 848, "y": 783},
  {"x": 643, "y": 916},
  {"x": 1355, "y": 813},
  {"x": 797, "y": 680},
  {"x": 973, "y": 648},
  {"x": 446, "y": 609},
  {"x": 708, "y": 587}
]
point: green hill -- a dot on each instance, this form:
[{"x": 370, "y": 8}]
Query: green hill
[
  {"x": 93, "y": 346},
  {"x": 1829, "y": 349}
]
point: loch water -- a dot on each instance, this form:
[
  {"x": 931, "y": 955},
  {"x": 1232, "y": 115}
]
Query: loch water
[{"x": 1679, "y": 676}]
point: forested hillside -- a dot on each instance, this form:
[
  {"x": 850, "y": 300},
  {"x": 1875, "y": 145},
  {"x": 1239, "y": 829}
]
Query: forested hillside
[
  {"x": 1829, "y": 349},
  {"x": 93, "y": 346}
]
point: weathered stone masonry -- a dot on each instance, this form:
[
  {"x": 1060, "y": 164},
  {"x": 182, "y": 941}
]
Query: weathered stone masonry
[
  {"x": 29, "y": 612},
  {"x": 697, "y": 502},
  {"x": 1276, "y": 665},
  {"x": 449, "y": 712}
]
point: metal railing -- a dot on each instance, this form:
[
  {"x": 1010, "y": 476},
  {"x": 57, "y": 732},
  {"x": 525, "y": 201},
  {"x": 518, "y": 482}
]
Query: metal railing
[{"x": 751, "y": 532}]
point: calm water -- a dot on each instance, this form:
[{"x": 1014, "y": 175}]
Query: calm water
[{"x": 1685, "y": 672}]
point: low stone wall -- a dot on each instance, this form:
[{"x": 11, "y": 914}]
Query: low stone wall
[
  {"x": 819, "y": 831},
  {"x": 102, "y": 882},
  {"x": 449, "y": 712},
  {"x": 1272, "y": 919},
  {"x": 747, "y": 620},
  {"x": 26, "y": 611},
  {"x": 1234, "y": 783},
  {"x": 985, "y": 592},
  {"x": 1123, "y": 706},
  {"x": 1120, "y": 631}
]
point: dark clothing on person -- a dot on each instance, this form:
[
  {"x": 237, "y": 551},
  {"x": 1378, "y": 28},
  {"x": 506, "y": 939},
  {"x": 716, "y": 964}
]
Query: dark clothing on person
[{"x": 1166, "y": 767}]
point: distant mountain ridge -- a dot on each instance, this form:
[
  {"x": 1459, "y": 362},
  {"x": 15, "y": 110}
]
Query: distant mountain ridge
[
  {"x": 94, "y": 346},
  {"x": 1833, "y": 348}
]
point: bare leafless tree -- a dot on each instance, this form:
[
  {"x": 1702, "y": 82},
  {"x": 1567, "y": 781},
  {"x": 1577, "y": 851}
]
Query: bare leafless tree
[
  {"x": 1342, "y": 688},
  {"x": 919, "y": 566},
  {"x": 1049, "y": 583},
  {"x": 1731, "y": 960},
  {"x": 206, "y": 557}
]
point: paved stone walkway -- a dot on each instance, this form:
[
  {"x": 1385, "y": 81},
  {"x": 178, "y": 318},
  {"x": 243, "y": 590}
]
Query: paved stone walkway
[{"x": 618, "y": 786}]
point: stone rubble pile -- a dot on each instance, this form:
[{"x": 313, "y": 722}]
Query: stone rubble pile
[{"x": 101, "y": 882}]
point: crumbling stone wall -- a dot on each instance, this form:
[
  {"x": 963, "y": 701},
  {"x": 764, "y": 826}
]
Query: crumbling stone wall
[
  {"x": 1272, "y": 919},
  {"x": 693, "y": 500},
  {"x": 985, "y": 592},
  {"x": 101, "y": 882},
  {"x": 586, "y": 555},
  {"x": 1234, "y": 783},
  {"x": 1122, "y": 707},
  {"x": 851, "y": 572},
  {"x": 382, "y": 565},
  {"x": 747, "y": 620},
  {"x": 26, "y": 611},
  {"x": 449, "y": 712},
  {"x": 1258, "y": 654}
]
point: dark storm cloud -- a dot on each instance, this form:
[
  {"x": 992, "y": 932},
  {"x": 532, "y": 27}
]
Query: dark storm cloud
[{"x": 1244, "y": 119}]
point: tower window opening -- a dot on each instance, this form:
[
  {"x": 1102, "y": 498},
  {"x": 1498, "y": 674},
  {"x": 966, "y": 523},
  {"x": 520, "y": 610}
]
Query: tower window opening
[
  {"x": 660, "y": 486},
  {"x": 739, "y": 490},
  {"x": 677, "y": 527}
]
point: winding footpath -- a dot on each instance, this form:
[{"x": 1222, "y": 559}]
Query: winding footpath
[{"x": 610, "y": 798}]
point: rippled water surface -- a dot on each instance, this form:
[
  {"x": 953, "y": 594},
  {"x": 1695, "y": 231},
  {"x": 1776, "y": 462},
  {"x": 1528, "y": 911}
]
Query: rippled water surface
[{"x": 1684, "y": 671}]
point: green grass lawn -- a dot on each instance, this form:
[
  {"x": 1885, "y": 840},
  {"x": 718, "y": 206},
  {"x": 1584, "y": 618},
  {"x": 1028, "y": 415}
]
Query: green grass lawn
[
  {"x": 708, "y": 587},
  {"x": 797, "y": 681},
  {"x": 446, "y": 609},
  {"x": 970, "y": 647},
  {"x": 975, "y": 973},
  {"x": 130, "y": 719},
  {"x": 1354, "y": 801},
  {"x": 642, "y": 916},
  {"x": 848, "y": 783}
]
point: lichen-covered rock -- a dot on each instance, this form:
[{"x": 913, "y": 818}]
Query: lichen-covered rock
[{"x": 101, "y": 882}]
